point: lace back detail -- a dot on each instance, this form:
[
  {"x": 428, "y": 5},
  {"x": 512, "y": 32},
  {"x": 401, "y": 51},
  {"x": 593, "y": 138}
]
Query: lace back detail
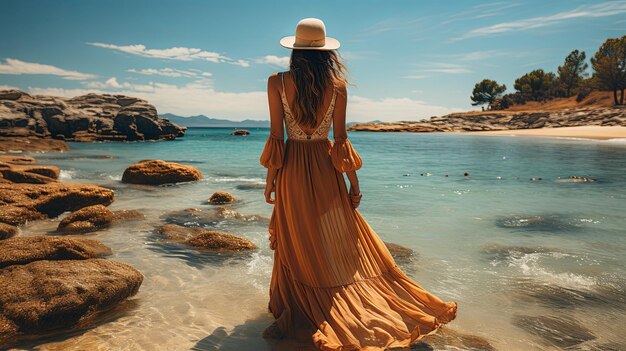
[{"x": 293, "y": 128}]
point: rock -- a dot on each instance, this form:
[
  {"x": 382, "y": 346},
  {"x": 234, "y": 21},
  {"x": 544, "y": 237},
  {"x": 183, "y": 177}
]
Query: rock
[
  {"x": 127, "y": 216},
  {"x": 25, "y": 249},
  {"x": 157, "y": 172},
  {"x": 577, "y": 179},
  {"x": 251, "y": 186},
  {"x": 240, "y": 132},
  {"x": 87, "y": 219},
  {"x": 211, "y": 217},
  {"x": 56, "y": 296},
  {"x": 83, "y": 118},
  {"x": 555, "y": 331},
  {"x": 30, "y": 144},
  {"x": 15, "y": 215},
  {"x": 221, "y": 198},
  {"x": 32, "y": 201},
  {"x": 399, "y": 251},
  {"x": 16, "y": 176},
  {"x": 11, "y": 94},
  {"x": 17, "y": 160},
  {"x": 7, "y": 231},
  {"x": 449, "y": 339},
  {"x": 206, "y": 239}
]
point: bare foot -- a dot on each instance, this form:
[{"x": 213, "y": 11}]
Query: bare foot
[{"x": 273, "y": 332}]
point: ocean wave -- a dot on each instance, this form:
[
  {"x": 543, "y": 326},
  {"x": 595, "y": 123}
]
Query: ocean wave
[
  {"x": 530, "y": 265},
  {"x": 616, "y": 140},
  {"x": 236, "y": 179},
  {"x": 67, "y": 174},
  {"x": 113, "y": 177}
]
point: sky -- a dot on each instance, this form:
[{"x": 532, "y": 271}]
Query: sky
[{"x": 408, "y": 60}]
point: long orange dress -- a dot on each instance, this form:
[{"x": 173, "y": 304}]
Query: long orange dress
[{"x": 333, "y": 278}]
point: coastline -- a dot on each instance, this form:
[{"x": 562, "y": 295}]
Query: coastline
[{"x": 584, "y": 132}]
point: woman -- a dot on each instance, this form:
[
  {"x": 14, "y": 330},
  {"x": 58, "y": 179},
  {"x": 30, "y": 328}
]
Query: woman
[{"x": 333, "y": 279}]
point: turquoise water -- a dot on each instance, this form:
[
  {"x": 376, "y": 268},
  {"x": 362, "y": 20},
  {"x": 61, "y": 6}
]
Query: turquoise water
[{"x": 533, "y": 264}]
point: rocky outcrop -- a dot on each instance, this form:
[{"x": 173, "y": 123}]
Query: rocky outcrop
[
  {"x": 88, "y": 117},
  {"x": 157, "y": 172},
  {"x": 23, "y": 250},
  {"x": 7, "y": 231},
  {"x": 45, "y": 297},
  {"x": 221, "y": 198},
  {"x": 211, "y": 240},
  {"x": 20, "y": 170},
  {"x": 504, "y": 120},
  {"x": 21, "y": 202},
  {"x": 87, "y": 219}
]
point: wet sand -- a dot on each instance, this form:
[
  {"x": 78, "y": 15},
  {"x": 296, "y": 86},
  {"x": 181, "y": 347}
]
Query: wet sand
[{"x": 587, "y": 132}]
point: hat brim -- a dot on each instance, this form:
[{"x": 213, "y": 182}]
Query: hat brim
[{"x": 289, "y": 41}]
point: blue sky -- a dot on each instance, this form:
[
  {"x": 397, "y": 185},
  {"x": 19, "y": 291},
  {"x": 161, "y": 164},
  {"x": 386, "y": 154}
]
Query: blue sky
[{"x": 408, "y": 59}]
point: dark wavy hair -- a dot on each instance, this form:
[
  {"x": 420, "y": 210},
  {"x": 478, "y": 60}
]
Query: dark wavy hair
[{"x": 314, "y": 71}]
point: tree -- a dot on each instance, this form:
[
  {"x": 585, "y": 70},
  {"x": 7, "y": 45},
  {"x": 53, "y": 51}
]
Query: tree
[
  {"x": 536, "y": 85},
  {"x": 609, "y": 65},
  {"x": 572, "y": 73},
  {"x": 486, "y": 92}
]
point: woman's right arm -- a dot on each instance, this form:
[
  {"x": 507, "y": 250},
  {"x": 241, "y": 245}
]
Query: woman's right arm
[
  {"x": 344, "y": 157},
  {"x": 274, "y": 151}
]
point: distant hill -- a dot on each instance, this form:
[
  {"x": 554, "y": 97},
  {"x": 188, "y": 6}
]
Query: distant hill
[{"x": 204, "y": 121}]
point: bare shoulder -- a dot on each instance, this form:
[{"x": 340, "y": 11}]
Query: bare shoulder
[
  {"x": 272, "y": 79},
  {"x": 341, "y": 87}
]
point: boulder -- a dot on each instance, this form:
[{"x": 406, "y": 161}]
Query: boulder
[
  {"x": 25, "y": 249},
  {"x": 23, "y": 202},
  {"x": 240, "y": 132},
  {"x": 46, "y": 297},
  {"x": 16, "y": 215},
  {"x": 87, "y": 219},
  {"x": 206, "y": 239},
  {"x": 7, "y": 231},
  {"x": 127, "y": 216},
  {"x": 399, "y": 251},
  {"x": 221, "y": 198},
  {"x": 157, "y": 172},
  {"x": 15, "y": 175}
]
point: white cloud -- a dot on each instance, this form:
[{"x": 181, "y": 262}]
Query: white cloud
[
  {"x": 416, "y": 76},
  {"x": 280, "y": 61},
  {"x": 13, "y": 66},
  {"x": 175, "y": 53},
  {"x": 605, "y": 9},
  {"x": 200, "y": 97},
  {"x": 170, "y": 72},
  {"x": 438, "y": 67}
]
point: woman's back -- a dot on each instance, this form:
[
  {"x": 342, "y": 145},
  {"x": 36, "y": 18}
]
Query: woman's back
[{"x": 295, "y": 129}]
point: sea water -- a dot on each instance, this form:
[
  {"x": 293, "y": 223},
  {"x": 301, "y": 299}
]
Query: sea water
[{"x": 533, "y": 264}]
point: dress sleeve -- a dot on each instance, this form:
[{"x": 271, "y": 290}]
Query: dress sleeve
[
  {"x": 273, "y": 153},
  {"x": 344, "y": 156}
]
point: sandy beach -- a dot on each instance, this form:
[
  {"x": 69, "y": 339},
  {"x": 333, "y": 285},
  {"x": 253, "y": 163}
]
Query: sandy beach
[{"x": 588, "y": 132}]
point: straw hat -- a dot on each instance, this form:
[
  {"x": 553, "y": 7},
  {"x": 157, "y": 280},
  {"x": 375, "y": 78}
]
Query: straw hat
[{"x": 310, "y": 35}]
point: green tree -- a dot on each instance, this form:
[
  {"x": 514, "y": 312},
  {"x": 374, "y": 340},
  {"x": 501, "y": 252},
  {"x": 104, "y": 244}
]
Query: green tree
[
  {"x": 486, "y": 92},
  {"x": 609, "y": 65},
  {"x": 573, "y": 72},
  {"x": 536, "y": 85}
]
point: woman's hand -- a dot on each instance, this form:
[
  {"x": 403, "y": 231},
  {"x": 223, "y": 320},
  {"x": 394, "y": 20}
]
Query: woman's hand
[
  {"x": 355, "y": 195},
  {"x": 269, "y": 189}
]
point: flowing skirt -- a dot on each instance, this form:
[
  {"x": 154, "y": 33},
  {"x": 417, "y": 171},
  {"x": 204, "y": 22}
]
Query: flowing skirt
[{"x": 333, "y": 278}]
